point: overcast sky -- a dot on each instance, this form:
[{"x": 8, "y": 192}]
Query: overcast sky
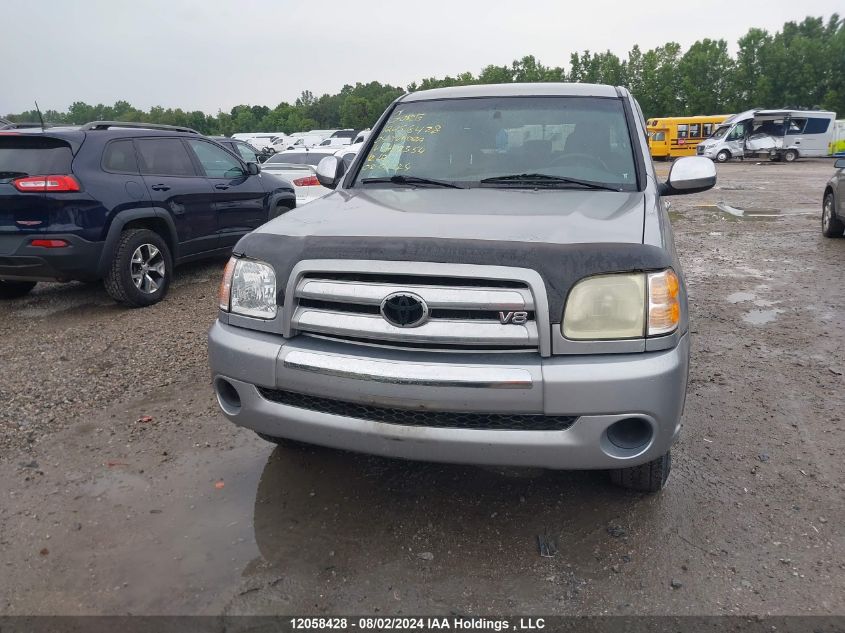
[{"x": 212, "y": 55}]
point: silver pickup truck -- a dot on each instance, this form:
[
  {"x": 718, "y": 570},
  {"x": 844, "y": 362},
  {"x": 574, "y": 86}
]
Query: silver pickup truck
[{"x": 493, "y": 280}]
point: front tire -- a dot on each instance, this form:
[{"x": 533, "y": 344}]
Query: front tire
[
  {"x": 832, "y": 226},
  {"x": 649, "y": 477},
  {"x": 723, "y": 157},
  {"x": 15, "y": 289},
  {"x": 790, "y": 156},
  {"x": 140, "y": 270}
]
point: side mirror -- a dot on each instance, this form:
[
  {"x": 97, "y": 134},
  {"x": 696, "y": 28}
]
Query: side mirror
[
  {"x": 691, "y": 174},
  {"x": 840, "y": 163},
  {"x": 252, "y": 169},
  {"x": 330, "y": 170}
]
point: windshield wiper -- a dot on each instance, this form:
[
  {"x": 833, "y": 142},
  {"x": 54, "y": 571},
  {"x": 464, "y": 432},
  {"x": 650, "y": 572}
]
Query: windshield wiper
[
  {"x": 399, "y": 179},
  {"x": 545, "y": 180}
]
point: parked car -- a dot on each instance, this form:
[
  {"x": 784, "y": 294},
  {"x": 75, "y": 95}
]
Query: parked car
[
  {"x": 307, "y": 140},
  {"x": 299, "y": 167},
  {"x": 348, "y": 133},
  {"x": 123, "y": 203},
  {"x": 260, "y": 141},
  {"x": 347, "y": 154},
  {"x": 833, "y": 205},
  {"x": 361, "y": 137},
  {"x": 493, "y": 281},
  {"x": 335, "y": 142},
  {"x": 247, "y": 152}
]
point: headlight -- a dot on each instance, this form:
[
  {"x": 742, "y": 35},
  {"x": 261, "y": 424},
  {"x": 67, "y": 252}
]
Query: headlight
[
  {"x": 248, "y": 288},
  {"x": 620, "y": 306}
]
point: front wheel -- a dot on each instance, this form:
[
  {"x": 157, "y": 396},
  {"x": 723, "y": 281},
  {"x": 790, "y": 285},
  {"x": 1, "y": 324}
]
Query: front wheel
[
  {"x": 723, "y": 156},
  {"x": 832, "y": 226},
  {"x": 140, "y": 270},
  {"x": 790, "y": 156},
  {"x": 15, "y": 289},
  {"x": 648, "y": 477}
]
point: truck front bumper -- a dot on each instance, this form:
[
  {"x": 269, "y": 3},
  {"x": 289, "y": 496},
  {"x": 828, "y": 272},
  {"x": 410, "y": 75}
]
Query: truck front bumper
[{"x": 320, "y": 392}]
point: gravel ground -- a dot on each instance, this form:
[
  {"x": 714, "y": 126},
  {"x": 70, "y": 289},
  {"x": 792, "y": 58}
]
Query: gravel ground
[{"x": 125, "y": 491}]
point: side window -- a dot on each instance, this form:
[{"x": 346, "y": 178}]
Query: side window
[
  {"x": 695, "y": 130},
  {"x": 817, "y": 126},
  {"x": 706, "y": 130},
  {"x": 246, "y": 153},
  {"x": 738, "y": 132},
  {"x": 682, "y": 130},
  {"x": 796, "y": 126},
  {"x": 215, "y": 161},
  {"x": 164, "y": 157},
  {"x": 120, "y": 157}
]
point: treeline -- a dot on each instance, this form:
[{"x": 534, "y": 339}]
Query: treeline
[{"x": 800, "y": 66}]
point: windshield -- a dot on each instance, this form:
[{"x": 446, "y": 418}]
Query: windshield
[
  {"x": 721, "y": 131},
  {"x": 466, "y": 141},
  {"x": 297, "y": 158}
]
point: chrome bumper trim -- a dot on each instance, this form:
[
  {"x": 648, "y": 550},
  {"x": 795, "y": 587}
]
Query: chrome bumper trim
[{"x": 409, "y": 373}]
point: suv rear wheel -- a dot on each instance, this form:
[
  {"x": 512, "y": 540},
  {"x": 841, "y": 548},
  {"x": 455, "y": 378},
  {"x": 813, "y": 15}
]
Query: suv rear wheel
[
  {"x": 649, "y": 477},
  {"x": 15, "y": 289},
  {"x": 141, "y": 268}
]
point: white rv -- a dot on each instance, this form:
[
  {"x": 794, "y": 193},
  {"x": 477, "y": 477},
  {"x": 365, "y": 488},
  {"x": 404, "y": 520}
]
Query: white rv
[{"x": 776, "y": 134}]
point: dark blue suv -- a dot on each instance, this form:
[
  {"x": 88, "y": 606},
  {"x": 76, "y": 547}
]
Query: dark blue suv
[{"x": 123, "y": 203}]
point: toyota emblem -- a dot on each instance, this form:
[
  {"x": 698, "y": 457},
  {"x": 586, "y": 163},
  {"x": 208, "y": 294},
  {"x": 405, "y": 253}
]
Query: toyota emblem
[{"x": 404, "y": 309}]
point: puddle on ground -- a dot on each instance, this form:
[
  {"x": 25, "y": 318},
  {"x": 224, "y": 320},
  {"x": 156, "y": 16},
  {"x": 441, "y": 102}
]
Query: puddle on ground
[
  {"x": 739, "y": 297},
  {"x": 182, "y": 539},
  {"x": 760, "y": 317},
  {"x": 758, "y": 213}
]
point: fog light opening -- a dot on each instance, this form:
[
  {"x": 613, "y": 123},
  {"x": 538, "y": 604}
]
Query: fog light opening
[
  {"x": 630, "y": 433},
  {"x": 227, "y": 396}
]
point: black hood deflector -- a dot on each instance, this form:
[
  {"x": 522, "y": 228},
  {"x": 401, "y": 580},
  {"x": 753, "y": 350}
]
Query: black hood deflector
[{"x": 560, "y": 265}]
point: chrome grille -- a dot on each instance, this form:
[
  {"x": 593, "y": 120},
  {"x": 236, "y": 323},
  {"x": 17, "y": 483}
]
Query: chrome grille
[{"x": 463, "y": 312}]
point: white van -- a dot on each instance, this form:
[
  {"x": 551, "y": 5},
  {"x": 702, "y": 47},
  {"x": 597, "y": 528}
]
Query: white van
[
  {"x": 776, "y": 134},
  {"x": 307, "y": 140}
]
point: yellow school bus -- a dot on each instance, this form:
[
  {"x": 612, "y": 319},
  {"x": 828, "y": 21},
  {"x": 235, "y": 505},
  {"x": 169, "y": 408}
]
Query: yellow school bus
[{"x": 671, "y": 137}]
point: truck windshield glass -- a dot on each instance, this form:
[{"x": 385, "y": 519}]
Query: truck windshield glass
[{"x": 467, "y": 141}]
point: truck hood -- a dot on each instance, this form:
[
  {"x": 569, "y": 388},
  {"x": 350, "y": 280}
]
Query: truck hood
[{"x": 514, "y": 215}]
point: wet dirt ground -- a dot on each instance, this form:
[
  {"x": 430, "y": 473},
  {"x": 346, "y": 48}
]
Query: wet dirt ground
[{"x": 125, "y": 491}]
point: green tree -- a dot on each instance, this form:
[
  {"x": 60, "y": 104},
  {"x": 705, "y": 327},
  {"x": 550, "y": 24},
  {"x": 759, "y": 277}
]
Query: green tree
[
  {"x": 705, "y": 72},
  {"x": 354, "y": 113}
]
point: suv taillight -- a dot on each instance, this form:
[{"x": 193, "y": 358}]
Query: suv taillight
[
  {"x": 40, "y": 184},
  {"x": 310, "y": 181}
]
